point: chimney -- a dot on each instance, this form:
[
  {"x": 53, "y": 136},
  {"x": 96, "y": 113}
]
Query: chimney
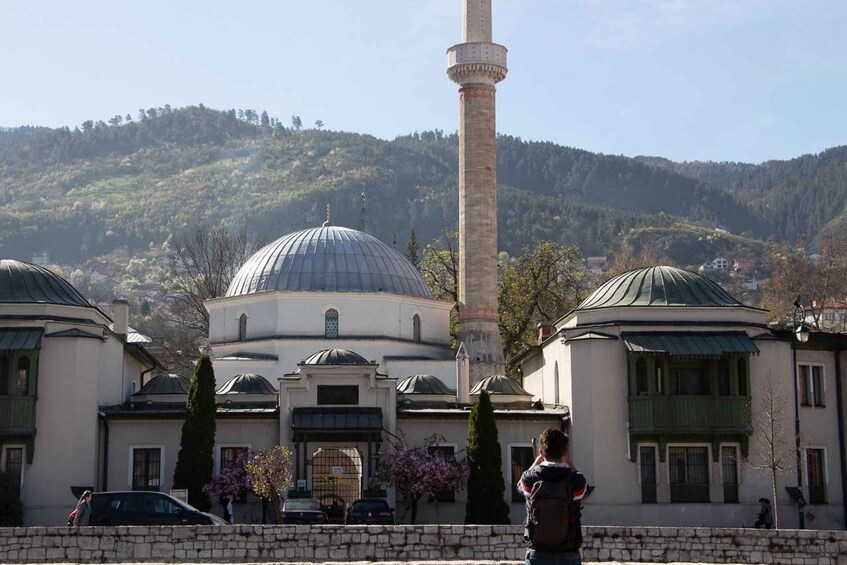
[
  {"x": 120, "y": 316},
  {"x": 463, "y": 375},
  {"x": 545, "y": 330}
]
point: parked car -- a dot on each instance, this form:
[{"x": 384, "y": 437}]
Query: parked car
[
  {"x": 132, "y": 508},
  {"x": 302, "y": 511},
  {"x": 370, "y": 511}
]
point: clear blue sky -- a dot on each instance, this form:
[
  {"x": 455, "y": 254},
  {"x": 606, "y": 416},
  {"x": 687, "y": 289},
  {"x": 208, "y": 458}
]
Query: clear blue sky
[{"x": 739, "y": 80}]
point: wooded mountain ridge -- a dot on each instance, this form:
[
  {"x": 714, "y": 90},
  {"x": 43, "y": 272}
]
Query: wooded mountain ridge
[{"x": 79, "y": 193}]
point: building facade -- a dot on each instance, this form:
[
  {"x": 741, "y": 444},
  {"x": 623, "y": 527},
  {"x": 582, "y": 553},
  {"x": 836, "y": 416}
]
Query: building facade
[{"x": 672, "y": 385}]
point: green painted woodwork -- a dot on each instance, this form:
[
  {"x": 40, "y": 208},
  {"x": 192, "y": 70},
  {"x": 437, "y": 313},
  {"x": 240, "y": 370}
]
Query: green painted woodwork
[
  {"x": 17, "y": 415},
  {"x": 672, "y": 415}
]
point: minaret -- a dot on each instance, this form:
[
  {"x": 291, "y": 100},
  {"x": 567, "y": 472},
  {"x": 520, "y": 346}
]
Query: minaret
[{"x": 477, "y": 65}]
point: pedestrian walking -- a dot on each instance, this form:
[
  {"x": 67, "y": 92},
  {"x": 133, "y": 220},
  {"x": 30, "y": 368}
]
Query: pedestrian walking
[{"x": 83, "y": 510}]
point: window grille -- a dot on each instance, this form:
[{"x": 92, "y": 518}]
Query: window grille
[
  {"x": 689, "y": 474},
  {"x": 729, "y": 470},
  {"x": 146, "y": 468},
  {"x": 647, "y": 463},
  {"x": 522, "y": 459},
  {"x": 331, "y": 323}
]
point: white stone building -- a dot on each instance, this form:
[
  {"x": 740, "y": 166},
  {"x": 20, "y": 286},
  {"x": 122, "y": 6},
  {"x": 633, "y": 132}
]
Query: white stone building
[{"x": 662, "y": 371}]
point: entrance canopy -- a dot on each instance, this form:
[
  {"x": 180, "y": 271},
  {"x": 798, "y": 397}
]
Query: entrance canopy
[
  {"x": 335, "y": 419},
  {"x": 690, "y": 344}
]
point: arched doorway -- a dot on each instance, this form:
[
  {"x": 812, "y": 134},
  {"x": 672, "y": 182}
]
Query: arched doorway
[{"x": 336, "y": 479}]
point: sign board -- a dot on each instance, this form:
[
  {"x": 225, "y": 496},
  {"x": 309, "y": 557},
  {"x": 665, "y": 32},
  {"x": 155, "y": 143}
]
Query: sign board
[
  {"x": 180, "y": 494},
  {"x": 301, "y": 484},
  {"x": 337, "y": 470}
]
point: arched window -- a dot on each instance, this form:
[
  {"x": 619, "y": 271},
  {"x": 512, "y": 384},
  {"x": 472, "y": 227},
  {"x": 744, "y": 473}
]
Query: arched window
[
  {"x": 641, "y": 377},
  {"x": 331, "y": 323},
  {"x": 556, "y": 382},
  {"x": 416, "y": 327},
  {"x": 23, "y": 376},
  {"x": 742, "y": 377},
  {"x": 242, "y": 328}
]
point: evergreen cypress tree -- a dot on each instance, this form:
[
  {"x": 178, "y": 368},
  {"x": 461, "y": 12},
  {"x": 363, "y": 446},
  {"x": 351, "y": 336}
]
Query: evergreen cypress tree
[
  {"x": 486, "y": 503},
  {"x": 413, "y": 248},
  {"x": 196, "y": 454}
]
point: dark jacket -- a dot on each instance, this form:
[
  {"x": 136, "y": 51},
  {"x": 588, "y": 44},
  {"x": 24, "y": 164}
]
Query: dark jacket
[
  {"x": 83, "y": 513},
  {"x": 554, "y": 472}
]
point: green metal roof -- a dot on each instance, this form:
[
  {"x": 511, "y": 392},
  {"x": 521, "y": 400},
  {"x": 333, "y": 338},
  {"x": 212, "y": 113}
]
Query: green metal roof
[
  {"x": 499, "y": 384},
  {"x": 334, "y": 419},
  {"x": 658, "y": 286},
  {"x": 20, "y": 338},
  {"x": 25, "y": 283},
  {"x": 423, "y": 384},
  {"x": 336, "y": 357},
  {"x": 165, "y": 384},
  {"x": 248, "y": 383},
  {"x": 690, "y": 344}
]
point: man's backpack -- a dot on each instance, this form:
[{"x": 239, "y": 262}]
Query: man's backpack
[{"x": 553, "y": 520}]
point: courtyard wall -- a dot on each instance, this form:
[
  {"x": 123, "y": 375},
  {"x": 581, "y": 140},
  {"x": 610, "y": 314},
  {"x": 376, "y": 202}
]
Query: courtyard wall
[{"x": 162, "y": 544}]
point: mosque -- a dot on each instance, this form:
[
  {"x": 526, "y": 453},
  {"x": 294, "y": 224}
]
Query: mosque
[{"x": 328, "y": 342}]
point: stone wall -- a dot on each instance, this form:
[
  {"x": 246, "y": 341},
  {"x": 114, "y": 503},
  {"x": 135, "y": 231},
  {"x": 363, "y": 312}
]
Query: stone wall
[{"x": 410, "y": 543}]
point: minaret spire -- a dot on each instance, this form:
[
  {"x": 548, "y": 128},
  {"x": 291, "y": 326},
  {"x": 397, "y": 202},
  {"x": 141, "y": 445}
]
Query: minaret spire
[{"x": 477, "y": 65}]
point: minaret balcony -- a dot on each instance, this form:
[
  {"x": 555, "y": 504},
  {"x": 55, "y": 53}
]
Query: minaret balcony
[{"x": 467, "y": 60}]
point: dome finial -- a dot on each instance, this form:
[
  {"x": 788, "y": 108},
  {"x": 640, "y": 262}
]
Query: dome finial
[{"x": 327, "y": 222}]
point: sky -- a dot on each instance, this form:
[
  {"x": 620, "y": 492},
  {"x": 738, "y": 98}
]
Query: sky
[{"x": 722, "y": 80}]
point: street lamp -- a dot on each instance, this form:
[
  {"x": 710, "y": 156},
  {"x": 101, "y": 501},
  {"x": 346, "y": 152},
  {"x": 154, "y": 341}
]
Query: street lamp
[{"x": 800, "y": 334}]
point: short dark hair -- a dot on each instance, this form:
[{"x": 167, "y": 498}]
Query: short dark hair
[{"x": 553, "y": 443}]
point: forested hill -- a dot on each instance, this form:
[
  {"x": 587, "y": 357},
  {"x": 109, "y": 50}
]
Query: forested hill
[
  {"x": 83, "y": 192},
  {"x": 794, "y": 199}
]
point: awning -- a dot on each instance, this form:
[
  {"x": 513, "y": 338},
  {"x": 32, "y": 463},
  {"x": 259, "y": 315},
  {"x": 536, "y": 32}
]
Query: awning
[
  {"x": 690, "y": 344},
  {"x": 20, "y": 338},
  {"x": 334, "y": 419}
]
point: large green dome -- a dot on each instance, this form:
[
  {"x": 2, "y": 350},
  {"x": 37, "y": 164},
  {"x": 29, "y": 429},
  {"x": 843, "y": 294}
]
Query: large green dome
[
  {"x": 25, "y": 283},
  {"x": 658, "y": 286}
]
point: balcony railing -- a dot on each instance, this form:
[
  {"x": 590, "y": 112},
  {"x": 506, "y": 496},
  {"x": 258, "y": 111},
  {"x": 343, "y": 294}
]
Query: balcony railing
[
  {"x": 17, "y": 414},
  {"x": 689, "y": 414}
]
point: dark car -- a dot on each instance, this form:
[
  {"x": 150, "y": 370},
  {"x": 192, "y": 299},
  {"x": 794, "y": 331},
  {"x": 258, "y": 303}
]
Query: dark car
[
  {"x": 370, "y": 511},
  {"x": 133, "y": 508},
  {"x": 302, "y": 511}
]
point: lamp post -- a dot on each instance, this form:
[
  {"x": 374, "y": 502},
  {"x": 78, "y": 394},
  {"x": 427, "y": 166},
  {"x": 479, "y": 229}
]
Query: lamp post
[{"x": 800, "y": 334}]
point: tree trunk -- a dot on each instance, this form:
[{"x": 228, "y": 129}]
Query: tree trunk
[{"x": 414, "y": 510}]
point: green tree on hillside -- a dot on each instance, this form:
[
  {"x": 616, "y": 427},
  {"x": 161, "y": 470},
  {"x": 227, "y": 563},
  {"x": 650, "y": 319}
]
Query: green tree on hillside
[
  {"x": 486, "y": 488},
  {"x": 195, "y": 462},
  {"x": 296, "y": 122},
  {"x": 413, "y": 249}
]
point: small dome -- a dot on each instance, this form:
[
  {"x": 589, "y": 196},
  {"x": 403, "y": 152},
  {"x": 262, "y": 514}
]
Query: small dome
[
  {"x": 658, "y": 286},
  {"x": 336, "y": 357},
  {"x": 248, "y": 383},
  {"x": 165, "y": 384},
  {"x": 499, "y": 384},
  {"x": 423, "y": 384},
  {"x": 328, "y": 259},
  {"x": 25, "y": 283}
]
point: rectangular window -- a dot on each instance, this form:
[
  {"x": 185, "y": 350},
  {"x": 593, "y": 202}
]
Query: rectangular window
[
  {"x": 688, "y": 470},
  {"x": 445, "y": 495},
  {"x": 815, "y": 467},
  {"x": 723, "y": 378},
  {"x": 4, "y": 374},
  {"x": 729, "y": 470},
  {"x": 647, "y": 465},
  {"x": 146, "y": 468},
  {"x": 688, "y": 380},
  {"x": 14, "y": 466},
  {"x": 522, "y": 458},
  {"x": 345, "y": 394},
  {"x": 811, "y": 386},
  {"x": 230, "y": 454},
  {"x": 805, "y": 385}
]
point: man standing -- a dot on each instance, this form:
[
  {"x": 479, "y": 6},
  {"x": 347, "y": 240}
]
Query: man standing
[{"x": 553, "y": 489}]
